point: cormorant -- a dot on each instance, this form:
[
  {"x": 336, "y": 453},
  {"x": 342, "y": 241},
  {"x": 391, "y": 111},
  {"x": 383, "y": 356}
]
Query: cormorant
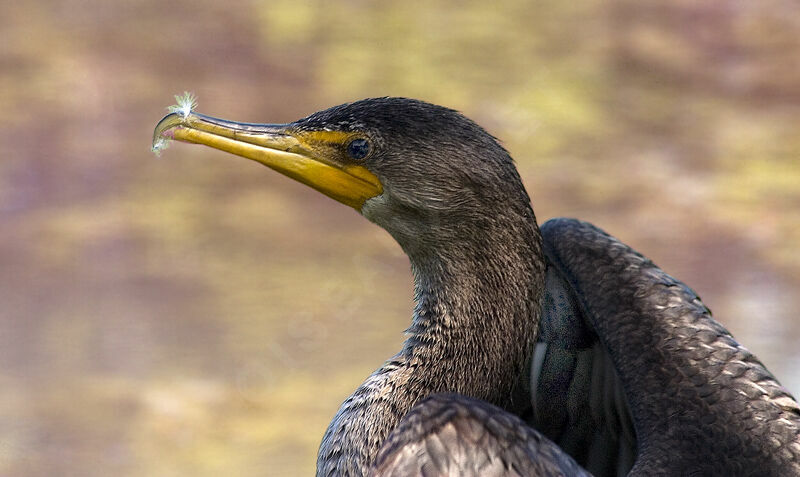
[{"x": 630, "y": 371}]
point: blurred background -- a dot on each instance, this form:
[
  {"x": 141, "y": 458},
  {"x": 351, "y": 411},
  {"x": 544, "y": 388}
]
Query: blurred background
[{"x": 198, "y": 314}]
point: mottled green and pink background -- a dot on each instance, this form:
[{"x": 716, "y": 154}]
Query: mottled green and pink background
[{"x": 200, "y": 315}]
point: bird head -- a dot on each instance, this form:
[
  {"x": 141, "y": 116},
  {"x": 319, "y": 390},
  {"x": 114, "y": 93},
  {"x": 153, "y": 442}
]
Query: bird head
[{"x": 423, "y": 172}]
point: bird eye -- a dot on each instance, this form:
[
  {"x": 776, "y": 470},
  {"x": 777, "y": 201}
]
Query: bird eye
[{"x": 358, "y": 148}]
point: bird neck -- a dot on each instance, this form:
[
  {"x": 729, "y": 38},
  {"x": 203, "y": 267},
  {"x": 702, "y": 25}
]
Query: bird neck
[
  {"x": 476, "y": 315},
  {"x": 475, "y": 321}
]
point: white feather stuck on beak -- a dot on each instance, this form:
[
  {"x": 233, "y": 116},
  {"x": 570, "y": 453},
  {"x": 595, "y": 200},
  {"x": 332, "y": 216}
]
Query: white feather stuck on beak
[{"x": 185, "y": 103}]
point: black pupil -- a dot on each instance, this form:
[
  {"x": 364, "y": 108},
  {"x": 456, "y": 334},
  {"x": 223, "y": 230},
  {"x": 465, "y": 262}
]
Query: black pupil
[{"x": 358, "y": 148}]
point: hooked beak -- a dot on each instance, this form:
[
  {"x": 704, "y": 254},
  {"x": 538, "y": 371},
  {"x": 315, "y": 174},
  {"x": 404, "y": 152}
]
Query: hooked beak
[{"x": 279, "y": 147}]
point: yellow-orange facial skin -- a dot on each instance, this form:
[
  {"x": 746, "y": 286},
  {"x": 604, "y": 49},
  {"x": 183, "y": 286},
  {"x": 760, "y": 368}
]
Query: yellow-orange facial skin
[{"x": 311, "y": 157}]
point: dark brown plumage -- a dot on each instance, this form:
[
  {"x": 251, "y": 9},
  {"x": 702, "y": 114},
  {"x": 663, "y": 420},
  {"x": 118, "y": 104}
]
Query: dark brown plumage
[
  {"x": 466, "y": 437},
  {"x": 630, "y": 372}
]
